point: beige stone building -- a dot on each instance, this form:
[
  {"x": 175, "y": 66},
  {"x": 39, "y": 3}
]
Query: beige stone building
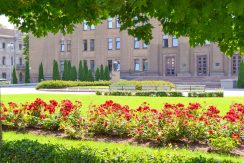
[
  {"x": 166, "y": 57},
  {"x": 11, "y": 54}
]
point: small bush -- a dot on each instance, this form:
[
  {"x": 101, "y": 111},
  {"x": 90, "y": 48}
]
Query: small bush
[
  {"x": 145, "y": 82},
  {"x": 99, "y": 93},
  {"x": 240, "y": 82},
  {"x": 118, "y": 93},
  {"x": 144, "y": 93},
  {"x": 33, "y": 151},
  {"x": 223, "y": 144},
  {"x": 206, "y": 94},
  {"x": 64, "y": 84}
]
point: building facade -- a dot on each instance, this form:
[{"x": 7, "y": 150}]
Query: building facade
[
  {"x": 11, "y": 54},
  {"x": 166, "y": 57}
]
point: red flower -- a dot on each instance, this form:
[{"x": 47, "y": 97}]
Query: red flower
[
  {"x": 3, "y": 117},
  {"x": 210, "y": 131},
  {"x": 15, "y": 111},
  {"x": 42, "y": 116}
]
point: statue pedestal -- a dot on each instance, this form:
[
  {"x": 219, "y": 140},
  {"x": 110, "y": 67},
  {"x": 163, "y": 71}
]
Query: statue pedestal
[{"x": 115, "y": 76}]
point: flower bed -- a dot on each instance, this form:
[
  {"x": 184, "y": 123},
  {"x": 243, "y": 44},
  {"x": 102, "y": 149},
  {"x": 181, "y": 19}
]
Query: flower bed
[{"x": 172, "y": 123}]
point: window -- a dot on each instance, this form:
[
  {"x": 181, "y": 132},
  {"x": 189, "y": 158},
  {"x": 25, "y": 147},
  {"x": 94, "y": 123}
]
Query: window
[
  {"x": 62, "y": 46},
  {"x": 3, "y": 45},
  {"x": 85, "y": 26},
  {"x": 110, "y": 43},
  {"x": 4, "y": 76},
  {"x": 20, "y": 61},
  {"x": 92, "y": 65},
  {"x": 117, "y": 43},
  {"x": 20, "y": 46},
  {"x": 68, "y": 45},
  {"x": 20, "y": 77},
  {"x": 165, "y": 41},
  {"x": 117, "y": 22},
  {"x": 110, "y": 65},
  {"x": 110, "y": 23},
  {"x": 145, "y": 64},
  {"x": 92, "y": 44},
  {"x": 61, "y": 63},
  {"x": 12, "y": 61},
  {"x": 4, "y": 61},
  {"x": 175, "y": 41},
  {"x": 136, "y": 43},
  {"x": 136, "y": 65},
  {"x": 84, "y": 45},
  {"x": 93, "y": 27},
  {"x": 236, "y": 60},
  {"x": 145, "y": 45}
]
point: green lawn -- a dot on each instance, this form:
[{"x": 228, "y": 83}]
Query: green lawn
[
  {"x": 133, "y": 149},
  {"x": 155, "y": 102}
]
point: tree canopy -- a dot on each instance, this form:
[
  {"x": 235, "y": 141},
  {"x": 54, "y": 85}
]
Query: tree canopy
[{"x": 219, "y": 21}]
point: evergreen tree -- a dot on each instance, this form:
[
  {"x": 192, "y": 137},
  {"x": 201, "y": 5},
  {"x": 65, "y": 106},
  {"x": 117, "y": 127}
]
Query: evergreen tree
[
  {"x": 73, "y": 74},
  {"x": 40, "y": 73},
  {"x": 97, "y": 74},
  {"x": 64, "y": 75},
  {"x": 14, "y": 77},
  {"x": 27, "y": 72},
  {"x": 240, "y": 82},
  {"x": 106, "y": 73},
  {"x": 80, "y": 71},
  {"x": 69, "y": 70},
  {"x": 101, "y": 73},
  {"x": 56, "y": 75},
  {"x": 85, "y": 70},
  {"x": 90, "y": 76}
]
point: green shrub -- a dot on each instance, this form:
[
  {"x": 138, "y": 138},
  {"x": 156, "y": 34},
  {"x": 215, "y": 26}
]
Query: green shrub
[
  {"x": 106, "y": 73},
  {"x": 138, "y": 87},
  {"x": 118, "y": 93},
  {"x": 101, "y": 73},
  {"x": 14, "y": 77},
  {"x": 64, "y": 84},
  {"x": 222, "y": 144},
  {"x": 97, "y": 74},
  {"x": 145, "y": 82},
  {"x": 27, "y": 72},
  {"x": 240, "y": 82},
  {"x": 144, "y": 93},
  {"x": 85, "y": 71},
  {"x": 80, "y": 72},
  {"x": 65, "y": 72},
  {"x": 40, "y": 73},
  {"x": 206, "y": 94},
  {"x": 90, "y": 76},
  {"x": 33, "y": 151},
  {"x": 55, "y": 75},
  {"x": 99, "y": 93}
]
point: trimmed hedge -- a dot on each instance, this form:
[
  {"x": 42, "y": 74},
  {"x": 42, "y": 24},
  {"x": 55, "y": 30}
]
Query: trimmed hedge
[
  {"x": 142, "y": 93},
  {"x": 206, "y": 94},
  {"x": 145, "y": 82},
  {"x": 33, "y": 151},
  {"x": 64, "y": 84}
]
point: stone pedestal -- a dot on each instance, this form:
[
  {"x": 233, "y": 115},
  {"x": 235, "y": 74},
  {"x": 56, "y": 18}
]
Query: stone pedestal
[
  {"x": 115, "y": 76},
  {"x": 228, "y": 83}
]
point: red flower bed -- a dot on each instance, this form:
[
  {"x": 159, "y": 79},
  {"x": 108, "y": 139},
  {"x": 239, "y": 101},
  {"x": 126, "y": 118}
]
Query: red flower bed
[{"x": 172, "y": 122}]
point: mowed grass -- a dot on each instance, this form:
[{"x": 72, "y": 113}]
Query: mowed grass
[
  {"x": 132, "y": 149},
  {"x": 221, "y": 103}
]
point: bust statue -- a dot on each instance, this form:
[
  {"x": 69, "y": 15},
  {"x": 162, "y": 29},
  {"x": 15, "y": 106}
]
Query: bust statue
[{"x": 115, "y": 66}]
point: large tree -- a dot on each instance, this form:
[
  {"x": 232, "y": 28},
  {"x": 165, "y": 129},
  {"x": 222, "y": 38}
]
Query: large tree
[{"x": 219, "y": 21}]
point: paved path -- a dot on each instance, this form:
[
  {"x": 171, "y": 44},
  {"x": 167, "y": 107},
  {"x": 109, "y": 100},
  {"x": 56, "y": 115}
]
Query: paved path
[{"x": 32, "y": 90}]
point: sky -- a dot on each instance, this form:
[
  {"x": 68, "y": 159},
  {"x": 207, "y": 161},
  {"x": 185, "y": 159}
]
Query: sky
[{"x": 4, "y": 22}]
